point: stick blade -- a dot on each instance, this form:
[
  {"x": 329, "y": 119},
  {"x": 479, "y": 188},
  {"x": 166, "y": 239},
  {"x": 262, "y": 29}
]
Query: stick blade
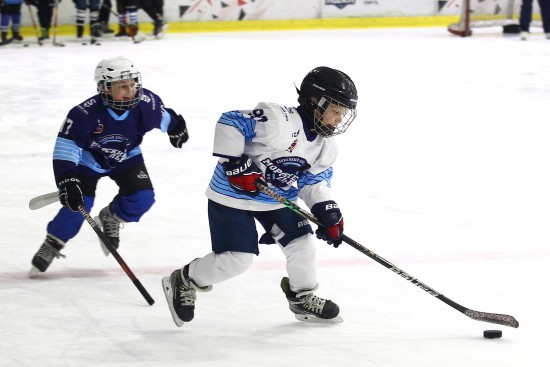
[
  {"x": 43, "y": 200},
  {"x": 494, "y": 318}
]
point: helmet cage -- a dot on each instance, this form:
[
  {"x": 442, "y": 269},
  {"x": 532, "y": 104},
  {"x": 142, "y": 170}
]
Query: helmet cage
[{"x": 326, "y": 108}]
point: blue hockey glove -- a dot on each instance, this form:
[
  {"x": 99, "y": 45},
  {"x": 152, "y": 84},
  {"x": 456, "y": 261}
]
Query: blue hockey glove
[
  {"x": 241, "y": 175},
  {"x": 178, "y": 134},
  {"x": 330, "y": 216},
  {"x": 70, "y": 193}
]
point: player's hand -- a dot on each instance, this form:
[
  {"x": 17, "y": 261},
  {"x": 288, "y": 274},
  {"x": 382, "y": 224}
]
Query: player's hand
[
  {"x": 178, "y": 134},
  {"x": 331, "y": 218},
  {"x": 241, "y": 175},
  {"x": 70, "y": 193}
]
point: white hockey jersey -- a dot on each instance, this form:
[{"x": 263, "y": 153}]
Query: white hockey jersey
[{"x": 295, "y": 163}]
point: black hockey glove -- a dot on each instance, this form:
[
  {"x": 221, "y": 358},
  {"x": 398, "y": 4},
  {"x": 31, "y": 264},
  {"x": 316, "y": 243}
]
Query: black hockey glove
[
  {"x": 70, "y": 193},
  {"x": 330, "y": 216},
  {"x": 178, "y": 135},
  {"x": 242, "y": 174}
]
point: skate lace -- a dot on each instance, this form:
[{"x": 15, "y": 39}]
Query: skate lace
[
  {"x": 187, "y": 295},
  {"x": 48, "y": 252},
  {"x": 310, "y": 302},
  {"x": 111, "y": 226}
]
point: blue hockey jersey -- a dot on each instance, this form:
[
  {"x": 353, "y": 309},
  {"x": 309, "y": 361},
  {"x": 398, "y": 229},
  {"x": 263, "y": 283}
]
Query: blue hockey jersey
[{"x": 95, "y": 136}]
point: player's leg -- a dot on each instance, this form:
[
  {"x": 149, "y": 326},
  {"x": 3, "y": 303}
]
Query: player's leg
[
  {"x": 94, "y": 18},
  {"x": 133, "y": 21},
  {"x": 294, "y": 235},
  {"x": 80, "y": 6},
  {"x": 234, "y": 245},
  {"x": 135, "y": 197},
  {"x": 64, "y": 226},
  {"x": 545, "y": 15}
]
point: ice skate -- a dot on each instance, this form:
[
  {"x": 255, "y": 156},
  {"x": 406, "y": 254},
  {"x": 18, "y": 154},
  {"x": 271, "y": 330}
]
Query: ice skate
[
  {"x": 110, "y": 223},
  {"x": 105, "y": 28},
  {"x": 46, "y": 253},
  {"x": 181, "y": 293},
  {"x": 306, "y": 306},
  {"x": 160, "y": 28},
  {"x": 524, "y": 35}
]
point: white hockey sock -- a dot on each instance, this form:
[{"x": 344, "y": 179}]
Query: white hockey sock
[
  {"x": 215, "y": 268},
  {"x": 300, "y": 263}
]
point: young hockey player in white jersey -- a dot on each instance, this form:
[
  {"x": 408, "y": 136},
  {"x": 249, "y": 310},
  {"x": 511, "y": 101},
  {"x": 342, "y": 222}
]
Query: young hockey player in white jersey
[{"x": 293, "y": 151}]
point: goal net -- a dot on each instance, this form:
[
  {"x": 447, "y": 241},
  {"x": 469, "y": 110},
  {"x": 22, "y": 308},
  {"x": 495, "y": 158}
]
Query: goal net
[{"x": 487, "y": 13}]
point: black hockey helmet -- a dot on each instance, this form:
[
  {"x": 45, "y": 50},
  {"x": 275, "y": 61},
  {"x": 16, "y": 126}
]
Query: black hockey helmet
[{"x": 328, "y": 94}]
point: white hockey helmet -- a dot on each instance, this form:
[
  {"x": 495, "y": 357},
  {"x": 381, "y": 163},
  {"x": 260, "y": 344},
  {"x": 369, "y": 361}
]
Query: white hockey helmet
[{"x": 116, "y": 69}]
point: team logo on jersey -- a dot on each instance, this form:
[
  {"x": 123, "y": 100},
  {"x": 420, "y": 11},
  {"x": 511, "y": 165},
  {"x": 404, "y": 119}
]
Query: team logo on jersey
[
  {"x": 110, "y": 150},
  {"x": 284, "y": 171},
  {"x": 99, "y": 128}
]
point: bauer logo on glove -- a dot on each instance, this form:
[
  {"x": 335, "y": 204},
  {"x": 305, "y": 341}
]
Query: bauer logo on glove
[{"x": 242, "y": 175}]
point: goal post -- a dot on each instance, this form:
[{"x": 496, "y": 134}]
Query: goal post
[{"x": 488, "y": 13}]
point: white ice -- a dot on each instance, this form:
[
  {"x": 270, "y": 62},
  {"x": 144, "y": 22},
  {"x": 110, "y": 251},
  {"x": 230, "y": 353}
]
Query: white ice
[{"x": 445, "y": 173}]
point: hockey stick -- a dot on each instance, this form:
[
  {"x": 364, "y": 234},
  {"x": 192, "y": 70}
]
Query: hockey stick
[
  {"x": 494, "y": 318},
  {"x": 35, "y": 27},
  {"x": 43, "y": 200},
  {"x": 116, "y": 255},
  {"x": 55, "y": 23}
]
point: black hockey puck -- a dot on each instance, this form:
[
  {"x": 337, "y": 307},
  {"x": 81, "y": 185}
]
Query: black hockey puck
[{"x": 492, "y": 334}]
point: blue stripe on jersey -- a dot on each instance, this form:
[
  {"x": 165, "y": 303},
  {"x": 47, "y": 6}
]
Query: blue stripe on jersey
[
  {"x": 245, "y": 124},
  {"x": 311, "y": 179},
  {"x": 117, "y": 117},
  {"x": 220, "y": 185},
  {"x": 165, "y": 122},
  {"x": 66, "y": 150}
]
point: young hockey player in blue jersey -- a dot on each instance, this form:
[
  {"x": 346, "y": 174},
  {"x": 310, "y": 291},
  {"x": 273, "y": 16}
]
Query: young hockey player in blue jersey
[
  {"x": 292, "y": 150},
  {"x": 101, "y": 137}
]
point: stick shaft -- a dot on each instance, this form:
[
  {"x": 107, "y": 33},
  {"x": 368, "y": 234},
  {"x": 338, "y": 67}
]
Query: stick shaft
[
  {"x": 116, "y": 255},
  {"x": 494, "y": 318}
]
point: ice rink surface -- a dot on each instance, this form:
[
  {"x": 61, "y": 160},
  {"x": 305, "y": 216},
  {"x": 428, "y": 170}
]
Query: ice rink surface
[{"x": 445, "y": 172}]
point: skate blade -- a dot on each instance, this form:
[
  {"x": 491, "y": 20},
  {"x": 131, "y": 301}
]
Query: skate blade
[
  {"x": 34, "y": 271},
  {"x": 310, "y": 318},
  {"x": 169, "y": 296}
]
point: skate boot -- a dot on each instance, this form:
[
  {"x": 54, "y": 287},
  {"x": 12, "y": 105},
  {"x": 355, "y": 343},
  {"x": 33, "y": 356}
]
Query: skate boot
[
  {"x": 136, "y": 35},
  {"x": 110, "y": 223},
  {"x": 44, "y": 34},
  {"x": 46, "y": 253},
  {"x": 181, "y": 293},
  {"x": 121, "y": 31},
  {"x": 105, "y": 28},
  {"x": 524, "y": 35},
  {"x": 5, "y": 40},
  {"x": 16, "y": 36},
  {"x": 160, "y": 28},
  {"x": 95, "y": 32},
  {"x": 306, "y": 306},
  {"x": 79, "y": 32}
]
